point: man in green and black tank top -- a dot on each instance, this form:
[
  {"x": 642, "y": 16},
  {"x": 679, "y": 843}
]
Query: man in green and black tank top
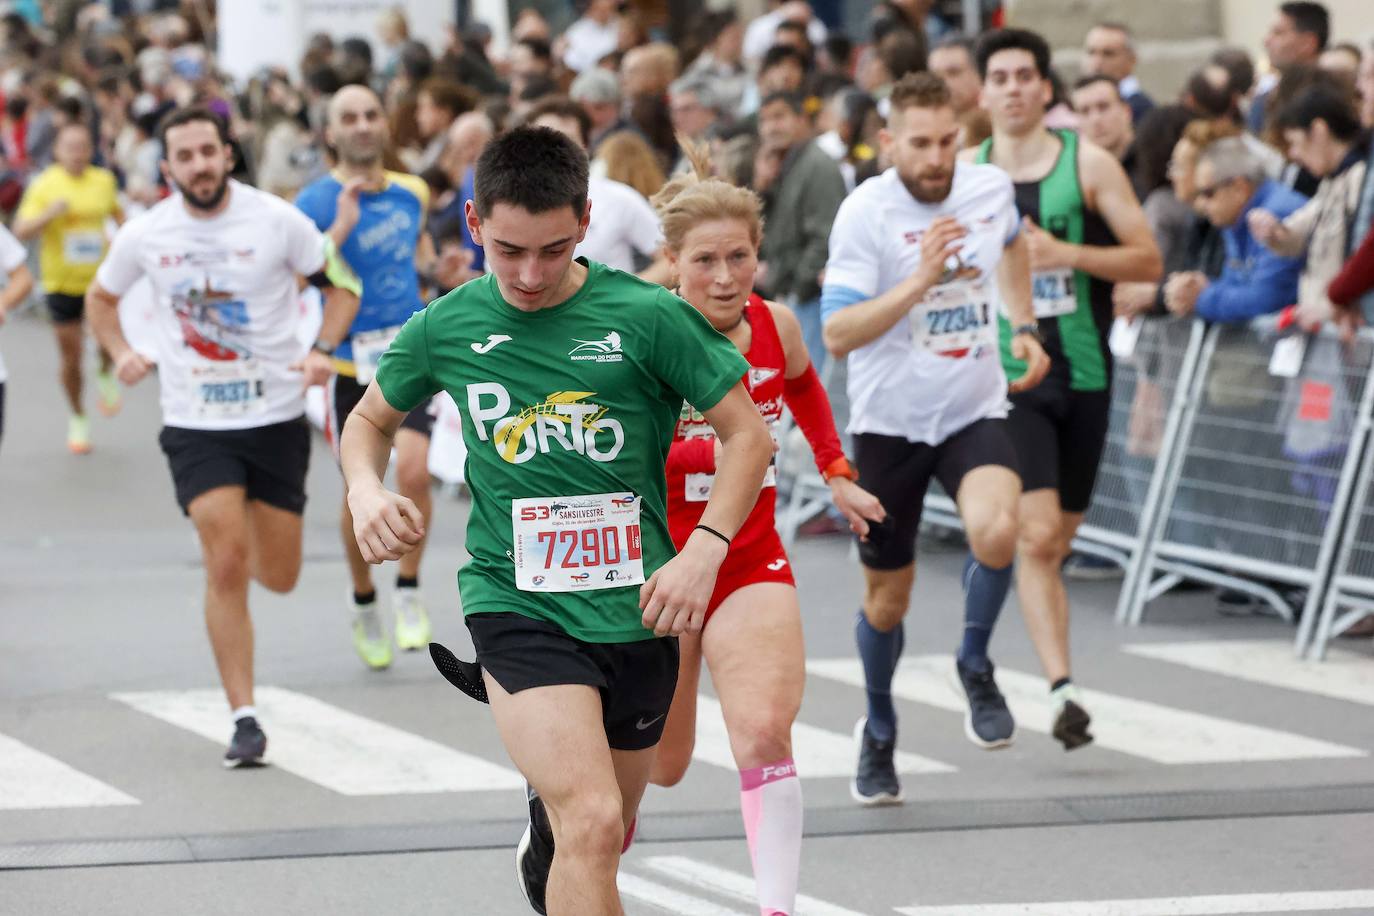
[{"x": 1086, "y": 232}]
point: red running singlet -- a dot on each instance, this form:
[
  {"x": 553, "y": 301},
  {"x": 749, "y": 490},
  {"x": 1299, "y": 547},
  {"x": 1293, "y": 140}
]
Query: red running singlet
[{"x": 756, "y": 553}]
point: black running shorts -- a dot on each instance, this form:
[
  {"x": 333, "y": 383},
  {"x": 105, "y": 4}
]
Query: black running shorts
[
  {"x": 343, "y": 394},
  {"x": 65, "y": 309},
  {"x": 898, "y": 472},
  {"x": 269, "y": 462},
  {"x": 636, "y": 679},
  {"x": 1059, "y": 436}
]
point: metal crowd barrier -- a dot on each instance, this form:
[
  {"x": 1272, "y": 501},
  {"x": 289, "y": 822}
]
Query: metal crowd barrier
[
  {"x": 1146, "y": 416},
  {"x": 1255, "y": 494},
  {"x": 1352, "y": 583}
]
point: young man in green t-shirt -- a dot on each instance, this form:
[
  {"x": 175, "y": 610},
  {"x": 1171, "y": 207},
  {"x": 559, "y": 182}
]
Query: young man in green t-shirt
[{"x": 570, "y": 377}]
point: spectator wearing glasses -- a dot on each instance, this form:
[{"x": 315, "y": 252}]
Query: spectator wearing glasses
[{"x": 1230, "y": 184}]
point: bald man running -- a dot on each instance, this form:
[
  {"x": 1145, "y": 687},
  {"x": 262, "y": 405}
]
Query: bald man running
[{"x": 376, "y": 218}]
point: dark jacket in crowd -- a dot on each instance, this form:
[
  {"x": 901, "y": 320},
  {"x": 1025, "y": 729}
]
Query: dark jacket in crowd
[{"x": 798, "y": 212}]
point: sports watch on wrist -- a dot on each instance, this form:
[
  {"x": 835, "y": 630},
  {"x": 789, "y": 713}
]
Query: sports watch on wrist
[
  {"x": 1032, "y": 329},
  {"x": 320, "y": 346}
]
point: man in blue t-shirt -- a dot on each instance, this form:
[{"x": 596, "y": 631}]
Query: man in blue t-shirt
[{"x": 377, "y": 219}]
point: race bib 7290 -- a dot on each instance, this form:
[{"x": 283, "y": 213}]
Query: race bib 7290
[{"x": 577, "y": 543}]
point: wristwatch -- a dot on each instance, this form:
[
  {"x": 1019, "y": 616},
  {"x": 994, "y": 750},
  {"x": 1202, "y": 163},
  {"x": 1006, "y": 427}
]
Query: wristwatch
[
  {"x": 319, "y": 346},
  {"x": 840, "y": 467},
  {"x": 1032, "y": 329}
]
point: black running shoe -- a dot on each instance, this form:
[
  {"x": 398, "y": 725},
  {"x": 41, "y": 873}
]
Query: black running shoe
[
  {"x": 988, "y": 722},
  {"x": 247, "y": 746},
  {"x": 875, "y": 782},
  {"x": 534, "y": 855},
  {"x": 1071, "y": 726}
]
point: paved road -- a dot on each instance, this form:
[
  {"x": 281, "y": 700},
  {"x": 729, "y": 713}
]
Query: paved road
[{"x": 1227, "y": 777}]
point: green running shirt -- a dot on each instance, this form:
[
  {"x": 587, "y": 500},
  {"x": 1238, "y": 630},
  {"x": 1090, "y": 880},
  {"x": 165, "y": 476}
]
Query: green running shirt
[{"x": 578, "y": 399}]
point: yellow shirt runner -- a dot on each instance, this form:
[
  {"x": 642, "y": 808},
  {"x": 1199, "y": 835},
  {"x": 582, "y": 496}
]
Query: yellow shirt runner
[{"x": 75, "y": 242}]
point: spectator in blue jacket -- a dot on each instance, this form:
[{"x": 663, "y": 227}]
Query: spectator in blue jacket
[{"x": 1230, "y": 182}]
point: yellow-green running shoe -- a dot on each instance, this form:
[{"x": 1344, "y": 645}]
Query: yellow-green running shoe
[
  {"x": 107, "y": 386},
  {"x": 79, "y": 435},
  {"x": 370, "y": 638},
  {"x": 412, "y": 620}
]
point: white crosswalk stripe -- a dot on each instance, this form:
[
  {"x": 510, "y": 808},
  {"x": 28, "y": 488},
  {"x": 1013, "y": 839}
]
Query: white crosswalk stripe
[
  {"x": 354, "y": 755},
  {"x": 668, "y": 900},
  {"x": 1210, "y": 905},
  {"x": 1343, "y": 676},
  {"x": 1160, "y": 733},
  {"x": 30, "y": 779},
  {"x": 817, "y": 752},
  {"x": 722, "y": 881},
  {"x": 337, "y": 749}
]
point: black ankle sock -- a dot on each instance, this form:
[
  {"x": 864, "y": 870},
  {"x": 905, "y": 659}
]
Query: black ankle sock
[
  {"x": 365, "y": 597},
  {"x": 407, "y": 581},
  {"x": 1062, "y": 682}
]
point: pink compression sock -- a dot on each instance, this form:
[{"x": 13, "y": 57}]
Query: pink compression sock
[{"x": 770, "y": 798}]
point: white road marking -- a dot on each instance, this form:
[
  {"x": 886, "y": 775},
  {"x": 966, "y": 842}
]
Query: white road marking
[
  {"x": 1214, "y": 905},
  {"x": 32, "y": 779},
  {"x": 740, "y": 887},
  {"x": 337, "y": 749},
  {"x": 1343, "y": 676},
  {"x": 668, "y": 900},
  {"x": 1163, "y": 734},
  {"x": 818, "y": 752}
]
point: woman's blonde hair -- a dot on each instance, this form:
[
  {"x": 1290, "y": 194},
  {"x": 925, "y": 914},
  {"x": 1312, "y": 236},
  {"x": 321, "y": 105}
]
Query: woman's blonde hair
[
  {"x": 697, "y": 196},
  {"x": 630, "y": 160}
]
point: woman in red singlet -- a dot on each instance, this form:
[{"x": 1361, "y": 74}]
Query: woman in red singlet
[{"x": 752, "y": 638}]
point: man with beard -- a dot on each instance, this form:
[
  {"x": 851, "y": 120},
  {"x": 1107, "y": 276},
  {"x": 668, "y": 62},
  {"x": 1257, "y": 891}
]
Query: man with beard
[
  {"x": 376, "y": 218},
  {"x": 224, "y": 260},
  {"x": 923, "y": 259},
  {"x": 1086, "y": 231}
]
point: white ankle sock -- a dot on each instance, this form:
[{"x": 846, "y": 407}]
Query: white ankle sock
[{"x": 244, "y": 712}]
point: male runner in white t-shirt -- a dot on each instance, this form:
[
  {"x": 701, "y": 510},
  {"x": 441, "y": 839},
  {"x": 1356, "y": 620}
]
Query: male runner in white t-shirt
[
  {"x": 922, "y": 258},
  {"x": 223, "y": 259}
]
